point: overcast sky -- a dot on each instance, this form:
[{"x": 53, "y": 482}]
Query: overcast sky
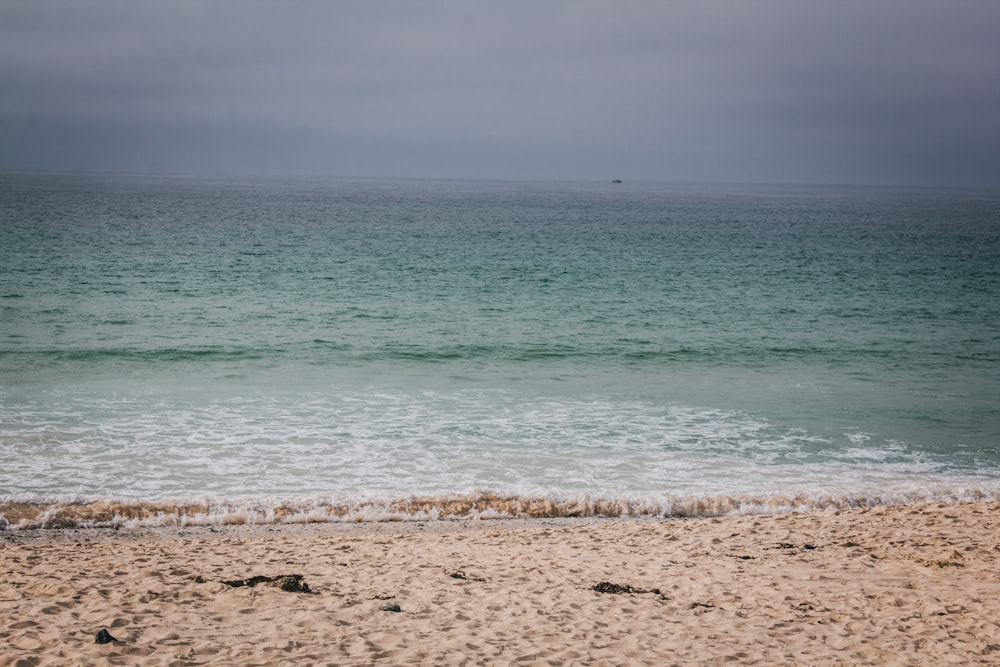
[{"x": 872, "y": 91}]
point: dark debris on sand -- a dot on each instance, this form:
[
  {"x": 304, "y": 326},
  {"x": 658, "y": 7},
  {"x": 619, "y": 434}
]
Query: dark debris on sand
[
  {"x": 619, "y": 589},
  {"x": 290, "y": 583},
  {"x": 104, "y": 637}
]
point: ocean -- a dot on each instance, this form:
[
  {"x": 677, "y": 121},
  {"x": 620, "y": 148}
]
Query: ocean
[{"x": 180, "y": 350}]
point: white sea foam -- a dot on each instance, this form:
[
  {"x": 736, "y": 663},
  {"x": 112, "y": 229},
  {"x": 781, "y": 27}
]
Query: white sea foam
[{"x": 431, "y": 443}]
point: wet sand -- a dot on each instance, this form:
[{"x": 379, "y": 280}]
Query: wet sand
[{"x": 900, "y": 585}]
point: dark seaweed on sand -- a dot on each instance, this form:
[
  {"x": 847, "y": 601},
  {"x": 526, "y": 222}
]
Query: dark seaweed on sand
[
  {"x": 291, "y": 583},
  {"x": 618, "y": 589}
]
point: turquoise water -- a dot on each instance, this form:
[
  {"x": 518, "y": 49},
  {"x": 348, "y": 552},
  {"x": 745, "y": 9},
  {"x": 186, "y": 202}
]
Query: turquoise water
[{"x": 608, "y": 348}]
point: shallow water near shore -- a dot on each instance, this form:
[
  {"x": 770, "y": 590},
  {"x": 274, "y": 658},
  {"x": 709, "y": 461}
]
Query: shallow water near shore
[{"x": 176, "y": 349}]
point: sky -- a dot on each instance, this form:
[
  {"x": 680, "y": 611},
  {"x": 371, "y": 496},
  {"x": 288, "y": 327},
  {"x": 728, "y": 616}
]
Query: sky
[{"x": 773, "y": 91}]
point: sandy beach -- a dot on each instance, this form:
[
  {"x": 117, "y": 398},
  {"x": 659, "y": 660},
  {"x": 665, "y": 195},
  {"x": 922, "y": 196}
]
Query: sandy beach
[{"x": 899, "y": 585}]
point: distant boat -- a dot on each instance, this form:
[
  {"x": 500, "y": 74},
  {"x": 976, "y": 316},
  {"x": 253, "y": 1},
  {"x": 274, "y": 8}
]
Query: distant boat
[{"x": 617, "y": 180}]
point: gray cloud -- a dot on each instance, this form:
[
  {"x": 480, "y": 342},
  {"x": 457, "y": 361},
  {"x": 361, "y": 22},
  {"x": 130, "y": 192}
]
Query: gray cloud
[{"x": 895, "y": 92}]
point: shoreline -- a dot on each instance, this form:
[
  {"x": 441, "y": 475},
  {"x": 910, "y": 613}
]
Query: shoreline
[
  {"x": 894, "y": 584},
  {"x": 27, "y": 513}
]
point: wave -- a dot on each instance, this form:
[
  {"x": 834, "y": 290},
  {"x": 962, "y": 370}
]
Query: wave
[
  {"x": 20, "y": 514},
  {"x": 148, "y": 355},
  {"x": 328, "y": 351}
]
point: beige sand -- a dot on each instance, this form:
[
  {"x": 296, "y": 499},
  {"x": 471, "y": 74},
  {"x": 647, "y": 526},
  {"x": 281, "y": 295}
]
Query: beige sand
[{"x": 902, "y": 585}]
